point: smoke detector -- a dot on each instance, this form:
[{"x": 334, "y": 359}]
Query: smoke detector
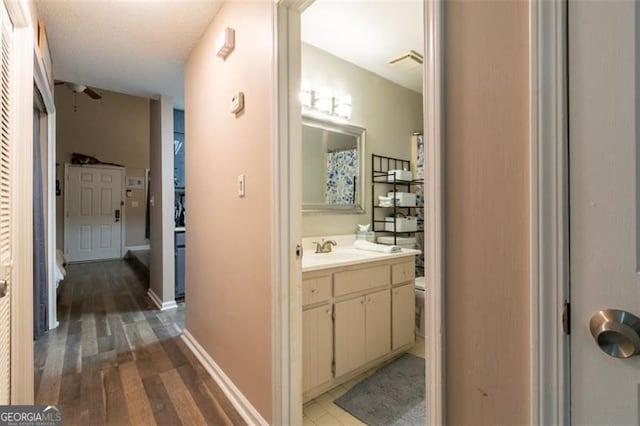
[{"x": 409, "y": 60}]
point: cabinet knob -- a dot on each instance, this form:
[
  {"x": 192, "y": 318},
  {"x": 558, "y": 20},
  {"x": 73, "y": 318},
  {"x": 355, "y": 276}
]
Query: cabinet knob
[
  {"x": 362, "y": 302},
  {"x": 314, "y": 291},
  {"x": 328, "y": 311}
]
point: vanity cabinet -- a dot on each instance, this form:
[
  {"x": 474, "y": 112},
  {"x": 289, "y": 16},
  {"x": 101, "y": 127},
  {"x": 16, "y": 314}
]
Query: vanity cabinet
[
  {"x": 354, "y": 317},
  {"x": 317, "y": 331}
]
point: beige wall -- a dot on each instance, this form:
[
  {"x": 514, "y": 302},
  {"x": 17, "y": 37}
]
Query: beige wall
[
  {"x": 161, "y": 195},
  {"x": 228, "y": 257},
  {"x": 487, "y": 220},
  {"x": 114, "y": 129},
  {"x": 389, "y": 112}
]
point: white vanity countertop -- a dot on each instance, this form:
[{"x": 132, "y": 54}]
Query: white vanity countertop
[{"x": 345, "y": 256}]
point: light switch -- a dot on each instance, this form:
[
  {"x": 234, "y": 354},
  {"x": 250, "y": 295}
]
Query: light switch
[
  {"x": 134, "y": 204},
  {"x": 241, "y": 186}
]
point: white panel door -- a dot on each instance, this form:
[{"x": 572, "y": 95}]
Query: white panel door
[
  {"x": 93, "y": 213},
  {"x": 7, "y": 170},
  {"x": 604, "y": 216}
]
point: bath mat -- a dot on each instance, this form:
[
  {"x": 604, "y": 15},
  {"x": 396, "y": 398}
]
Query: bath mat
[{"x": 394, "y": 395}]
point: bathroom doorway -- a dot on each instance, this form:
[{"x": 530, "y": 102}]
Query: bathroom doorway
[{"x": 325, "y": 81}]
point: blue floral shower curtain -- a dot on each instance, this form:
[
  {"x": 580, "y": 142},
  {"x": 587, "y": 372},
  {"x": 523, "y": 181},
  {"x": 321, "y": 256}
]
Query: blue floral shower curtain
[{"x": 342, "y": 177}]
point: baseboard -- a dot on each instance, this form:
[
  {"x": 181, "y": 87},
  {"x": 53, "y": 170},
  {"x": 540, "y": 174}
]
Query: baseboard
[
  {"x": 246, "y": 410},
  {"x": 137, "y": 248},
  {"x": 163, "y": 306}
]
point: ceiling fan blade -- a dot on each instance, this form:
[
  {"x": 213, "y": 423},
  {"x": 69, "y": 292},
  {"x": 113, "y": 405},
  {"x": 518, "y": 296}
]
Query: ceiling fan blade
[{"x": 92, "y": 93}]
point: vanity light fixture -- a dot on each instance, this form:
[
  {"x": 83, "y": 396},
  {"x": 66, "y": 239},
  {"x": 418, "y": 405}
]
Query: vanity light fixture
[
  {"x": 306, "y": 97},
  {"x": 323, "y": 102},
  {"x": 342, "y": 106},
  {"x": 225, "y": 43}
]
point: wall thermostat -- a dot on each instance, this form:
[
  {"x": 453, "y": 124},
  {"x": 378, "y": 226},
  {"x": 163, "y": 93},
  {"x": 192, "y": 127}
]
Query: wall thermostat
[{"x": 237, "y": 103}]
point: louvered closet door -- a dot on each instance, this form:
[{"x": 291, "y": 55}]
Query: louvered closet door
[{"x": 6, "y": 139}]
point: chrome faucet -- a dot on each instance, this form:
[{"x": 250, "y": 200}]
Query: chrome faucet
[{"x": 325, "y": 246}]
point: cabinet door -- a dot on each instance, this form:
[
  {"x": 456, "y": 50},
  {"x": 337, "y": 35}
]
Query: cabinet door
[
  {"x": 317, "y": 346},
  {"x": 180, "y": 271},
  {"x": 349, "y": 335},
  {"x": 403, "y": 315},
  {"x": 378, "y": 324}
]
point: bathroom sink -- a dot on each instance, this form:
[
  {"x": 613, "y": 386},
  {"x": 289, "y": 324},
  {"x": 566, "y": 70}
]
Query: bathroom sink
[{"x": 339, "y": 256}]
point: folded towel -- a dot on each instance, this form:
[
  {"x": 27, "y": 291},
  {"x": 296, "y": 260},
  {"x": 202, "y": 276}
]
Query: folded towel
[{"x": 366, "y": 245}]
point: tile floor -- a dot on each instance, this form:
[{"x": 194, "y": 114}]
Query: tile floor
[{"x": 321, "y": 411}]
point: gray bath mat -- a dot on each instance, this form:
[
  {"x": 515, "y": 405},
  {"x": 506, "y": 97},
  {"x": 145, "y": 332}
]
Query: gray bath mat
[{"x": 394, "y": 395}]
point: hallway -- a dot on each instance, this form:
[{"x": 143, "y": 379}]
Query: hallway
[{"x": 115, "y": 359}]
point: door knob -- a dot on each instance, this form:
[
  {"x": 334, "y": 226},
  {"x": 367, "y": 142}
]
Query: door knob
[
  {"x": 4, "y": 287},
  {"x": 117, "y": 215},
  {"x": 616, "y": 332}
]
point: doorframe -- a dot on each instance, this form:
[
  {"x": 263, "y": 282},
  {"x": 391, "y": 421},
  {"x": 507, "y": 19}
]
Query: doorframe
[
  {"x": 67, "y": 166},
  {"x": 287, "y": 219},
  {"x": 41, "y": 81},
  {"x": 433, "y": 115},
  {"x": 549, "y": 203},
  {"x": 22, "y": 387}
]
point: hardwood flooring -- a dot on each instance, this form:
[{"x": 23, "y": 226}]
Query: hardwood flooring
[{"x": 115, "y": 359}]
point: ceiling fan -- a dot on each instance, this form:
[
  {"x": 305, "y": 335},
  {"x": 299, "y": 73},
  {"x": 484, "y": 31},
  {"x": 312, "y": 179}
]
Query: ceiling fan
[{"x": 80, "y": 88}]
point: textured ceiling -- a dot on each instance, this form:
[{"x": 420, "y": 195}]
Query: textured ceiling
[
  {"x": 368, "y": 33},
  {"x": 136, "y": 47}
]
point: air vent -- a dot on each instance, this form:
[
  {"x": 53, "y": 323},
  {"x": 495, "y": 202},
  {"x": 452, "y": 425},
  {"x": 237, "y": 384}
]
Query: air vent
[{"x": 409, "y": 60}]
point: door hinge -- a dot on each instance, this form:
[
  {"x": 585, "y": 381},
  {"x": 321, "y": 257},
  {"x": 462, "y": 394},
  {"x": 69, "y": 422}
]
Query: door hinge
[{"x": 566, "y": 318}]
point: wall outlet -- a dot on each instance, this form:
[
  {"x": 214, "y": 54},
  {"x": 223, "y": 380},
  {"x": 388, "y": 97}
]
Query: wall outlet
[
  {"x": 135, "y": 204},
  {"x": 241, "y": 186}
]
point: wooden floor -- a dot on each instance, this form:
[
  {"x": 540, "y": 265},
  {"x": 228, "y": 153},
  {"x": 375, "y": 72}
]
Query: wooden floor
[{"x": 115, "y": 359}]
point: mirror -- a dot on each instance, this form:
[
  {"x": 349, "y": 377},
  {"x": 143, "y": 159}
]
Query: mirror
[{"x": 332, "y": 167}]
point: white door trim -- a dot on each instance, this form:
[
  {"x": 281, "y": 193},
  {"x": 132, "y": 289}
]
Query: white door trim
[
  {"x": 122, "y": 197},
  {"x": 434, "y": 213},
  {"x": 287, "y": 217},
  {"x": 22, "y": 391},
  {"x": 40, "y": 79},
  {"x": 287, "y": 296},
  {"x": 549, "y": 346}
]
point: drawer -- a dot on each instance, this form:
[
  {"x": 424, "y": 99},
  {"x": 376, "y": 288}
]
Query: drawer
[
  {"x": 403, "y": 272},
  {"x": 316, "y": 290},
  {"x": 360, "y": 279}
]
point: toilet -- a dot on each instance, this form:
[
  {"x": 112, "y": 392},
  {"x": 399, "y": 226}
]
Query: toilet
[{"x": 420, "y": 314}]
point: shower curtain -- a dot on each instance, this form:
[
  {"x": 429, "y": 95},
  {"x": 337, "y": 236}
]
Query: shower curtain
[{"x": 342, "y": 170}]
